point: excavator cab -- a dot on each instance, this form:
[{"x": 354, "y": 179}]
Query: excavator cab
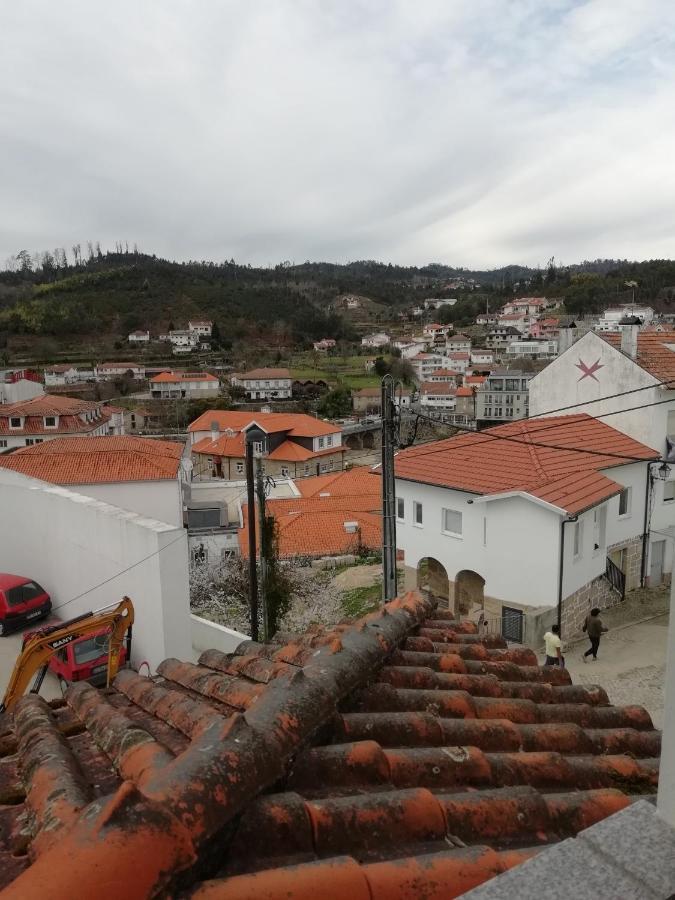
[{"x": 89, "y": 647}]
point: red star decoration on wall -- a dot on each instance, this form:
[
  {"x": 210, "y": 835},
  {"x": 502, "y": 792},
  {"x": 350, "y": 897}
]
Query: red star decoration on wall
[{"x": 588, "y": 371}]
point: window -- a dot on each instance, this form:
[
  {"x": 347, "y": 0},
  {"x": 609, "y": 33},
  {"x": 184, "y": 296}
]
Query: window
[
  {"x": 306, "y": 468},
  {"x": 321, "y": 443},
  {"x": 258, "y": 447},
  {"x": 417, "y": 513},
  {"x": 240, "y": 468},
  {"x": 30, "y": 442},
  {"x": 578, "y": 538},
  {"x": 204, "y": 518},
  {"x": 3, "y": 443},
  {"x": 599, "y": 528},
  {"x": 50, "y": 421},
  {"x": 668, "y": 491},
  {"x": 22, "y": 593},
  {"x": 15, "y": 422},
  {"x": 400, "y": 509},
  {"x": 284, "y": 472},
  {"x": 451, "y": 521},
  {"x": 624, "y": 502},
  {"x": 329, "y": 440}
]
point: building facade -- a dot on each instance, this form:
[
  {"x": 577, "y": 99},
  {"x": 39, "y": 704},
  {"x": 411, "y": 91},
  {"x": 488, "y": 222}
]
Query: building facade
[
  {"x": 267, "y": 384},
  {"x": 503, "y": 396},
  {"x": 184, "y": 385},
  {"x": 46, "y": 417}
]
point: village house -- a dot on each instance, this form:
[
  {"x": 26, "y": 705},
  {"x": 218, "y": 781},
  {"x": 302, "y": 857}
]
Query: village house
[
  {"x": 48, "y": 416},
  {"x": 19, "y": 384},
  {"x": 424, "y": 364},
  {"x": 140, "y": 419},
  {"x": 627, "y": 380},
  {"x": 109, "y": 370},
  {"x": 465, "y": 403},
  {"x": 499, "y": 337},
  {"x": 368, "y": 401},
  {"x": 503, "y": 396},
  {"x": 439, "y": 303},
  {"x": 474, "y": 381},
  {"x": 202, "y": 327},
  {"x": 334, "y": 515},
  {"x": 60, "y": 375},
  {"x": 458, "y": 343},
  {"x": 545, "y": 328},
  {"x": 439, "y": 396},
  {"x": 184, "y": 385},
  {"x": 481, "y": 357},
  {"x": 267, "y": 384},
  {"x": 533, "y": 348},
  {"x": 579, "y": 503},
  {"x": 520, "y": 321},
  {"x": 611, "y": 319},
  {"x": 183, "y": 341},
  {"x": 442, "y": 374},
  {"x": 133, "y": 473},
  {"x": 324, "y": 345},
  {"x": 459, "y": 360},
  {"x": 530, "y": 306},
  {"x": 139, "y": 337},
  {"x": 296, "y": 444},
  {"x": 436, "y": 332},
  {"x": 378, "y": 339},
  {"x": 487, "y": 319}
]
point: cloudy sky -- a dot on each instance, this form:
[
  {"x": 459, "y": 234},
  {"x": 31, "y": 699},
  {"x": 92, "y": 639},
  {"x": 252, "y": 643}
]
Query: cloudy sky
[{"x": 471, "y": 132}]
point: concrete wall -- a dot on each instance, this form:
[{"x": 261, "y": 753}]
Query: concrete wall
[
  {"x": 155, "y": 499},
  {"x": 210, "y": 636},
  {"x": 71, "y": 543}
]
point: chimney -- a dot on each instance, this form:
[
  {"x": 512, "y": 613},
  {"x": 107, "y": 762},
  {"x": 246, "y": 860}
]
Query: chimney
[
  {"x": 630, "y": 326},
  {"x": 215, "y": 431},
  {"x": 567, "y": 335}
]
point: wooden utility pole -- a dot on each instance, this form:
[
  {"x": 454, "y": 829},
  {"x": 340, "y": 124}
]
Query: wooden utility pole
[
  {"x": 252, "y": 568},
  {"x": 388, "y": 491}
]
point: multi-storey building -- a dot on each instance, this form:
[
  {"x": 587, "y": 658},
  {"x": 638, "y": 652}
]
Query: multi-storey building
[
  {"x": 45, "y": 417},
  {"x": 267, "y": 384},
  {"x": 503, "y": 397}
]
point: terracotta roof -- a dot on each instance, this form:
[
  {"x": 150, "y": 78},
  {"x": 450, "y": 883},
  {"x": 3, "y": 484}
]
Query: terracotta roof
[
  {"x": 507, "y": 317},
  {"x": 459, "y": 338},
  {"x": 265, "y": 373},
  {"x": 62, "y": 367},
  {"x": 178, "y": 377},
  {"x": 483, "y": 464},
  {"x": 225, "y": 445},
  {"x": 464, "y": 392},
  {"x": 396, "y": 758},
  {"x": 460, "y": 354},
  {"x": 296, "y": 424},
  {"x": 475, "y": 379},
  {"x": 438, "y": 387},
  {"x": 119, "y": 365},
  {"x": 355, "y": 482},
  {"x": 654, "y": 353},
  {"x": 67, "y": 409},
  {"x": 97, "y": 460},
  {"x": 444, "y": 373},
  {"x": 292, "y": 452}
]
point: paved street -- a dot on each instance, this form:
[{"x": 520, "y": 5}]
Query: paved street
[
  {"x": 630, "y": 666},
  {"x": 10, "y": 647}
]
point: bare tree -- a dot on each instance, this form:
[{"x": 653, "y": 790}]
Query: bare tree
[
  {"x": 90, "y": 250},
  {"x": 98, "y": 250}
]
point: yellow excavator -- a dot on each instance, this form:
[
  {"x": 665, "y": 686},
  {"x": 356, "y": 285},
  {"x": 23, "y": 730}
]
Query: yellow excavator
[{"x": 43, "y": 644}]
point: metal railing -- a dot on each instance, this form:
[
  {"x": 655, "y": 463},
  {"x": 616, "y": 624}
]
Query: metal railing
[{"x": 616, "y": 577}]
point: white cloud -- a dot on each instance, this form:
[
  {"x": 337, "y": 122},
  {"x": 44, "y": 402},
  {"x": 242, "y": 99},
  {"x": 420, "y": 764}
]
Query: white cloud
[{"x": 475, "y": 133}]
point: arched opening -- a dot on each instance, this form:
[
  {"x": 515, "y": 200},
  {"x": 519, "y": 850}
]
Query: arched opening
[
  {"x": 469, "y": 593},
  {"x": 433, "y": 578},
  {"x": 352, "y": 442},
  {"x": 368, "y": 439}
]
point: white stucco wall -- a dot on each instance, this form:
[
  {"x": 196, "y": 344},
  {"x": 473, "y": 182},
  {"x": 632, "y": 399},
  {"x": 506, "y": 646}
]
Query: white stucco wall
[
  {"x": 562, "y": 384},
  {"x": 211, "y": 636},
  {"x": 70, "y": 543},
  {"x": 154, "y": 499}
]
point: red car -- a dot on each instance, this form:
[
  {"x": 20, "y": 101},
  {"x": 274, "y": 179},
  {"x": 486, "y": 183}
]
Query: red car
[
  {"x": 83, "y": 659},
  {"x": 21, "y": 600}
]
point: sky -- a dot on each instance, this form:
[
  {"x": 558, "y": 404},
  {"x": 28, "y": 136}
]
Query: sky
[{"x": 474, "y": 133}]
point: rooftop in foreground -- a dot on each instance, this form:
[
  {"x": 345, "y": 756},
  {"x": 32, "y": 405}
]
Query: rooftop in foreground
[{"x": 401, "y": 756}]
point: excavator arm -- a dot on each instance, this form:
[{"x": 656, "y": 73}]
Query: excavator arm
[{"x": 35, "y": 656}]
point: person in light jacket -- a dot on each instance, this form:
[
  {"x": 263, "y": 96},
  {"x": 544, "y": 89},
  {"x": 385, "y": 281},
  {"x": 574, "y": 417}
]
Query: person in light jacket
[{"x": 594, "y": 629}]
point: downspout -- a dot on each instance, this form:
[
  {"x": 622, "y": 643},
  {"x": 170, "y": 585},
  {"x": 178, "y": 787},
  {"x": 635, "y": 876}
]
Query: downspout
[
  {"x": 562, "y": 566},
  {"x": 645, "y": 527}
]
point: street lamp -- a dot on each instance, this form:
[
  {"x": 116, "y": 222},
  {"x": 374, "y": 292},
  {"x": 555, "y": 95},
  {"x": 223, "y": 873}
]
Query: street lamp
[{"x": 663, "y": 471}]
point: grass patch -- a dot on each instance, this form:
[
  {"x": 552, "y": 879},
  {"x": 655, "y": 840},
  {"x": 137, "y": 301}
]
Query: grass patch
[{"x": 360, "y": 601}]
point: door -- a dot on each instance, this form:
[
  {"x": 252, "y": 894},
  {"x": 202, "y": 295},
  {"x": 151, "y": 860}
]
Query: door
[{"x": 657, "y": 552}]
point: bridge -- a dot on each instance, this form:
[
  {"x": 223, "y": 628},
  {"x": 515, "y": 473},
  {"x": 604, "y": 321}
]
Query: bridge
[{"x": 362, "y": 434}]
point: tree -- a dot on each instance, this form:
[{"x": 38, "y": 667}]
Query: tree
[
  {"x": 381, "y": 367},
  {"x": 24, "y": 260},
  {"x": 336, "y": 404},
  {"x": 215, "y": 335}
]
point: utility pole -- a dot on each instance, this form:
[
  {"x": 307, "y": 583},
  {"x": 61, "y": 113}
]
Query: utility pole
[
  {"x": 262, "y": 529},
  {"x": 253, "y": 435},
  {"x": 388, "y": 491}
]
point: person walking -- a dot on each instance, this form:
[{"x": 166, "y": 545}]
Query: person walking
[
  {"x": 594, "y": 629},
  {"x": 554, "y": 654}
]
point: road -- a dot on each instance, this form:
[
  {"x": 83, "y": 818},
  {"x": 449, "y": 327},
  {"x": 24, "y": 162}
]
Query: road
[{"x": 10, "y": 648}]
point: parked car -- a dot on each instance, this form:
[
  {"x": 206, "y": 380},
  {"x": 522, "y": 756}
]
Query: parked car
[
  {"x": 84, "y": 659},
  {"x": 21, "y": 600}
]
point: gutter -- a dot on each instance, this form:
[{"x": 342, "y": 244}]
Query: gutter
[{"x": 561, "y": 567}]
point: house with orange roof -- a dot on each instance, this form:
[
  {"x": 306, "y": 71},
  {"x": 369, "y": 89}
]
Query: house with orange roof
[
  {"x": 267, "y": 384},
  {"x": 627, "y": 379},
  {"x": 335, "y": 515},
  {"x": 465, "y": 403},
  {"x": 296, "y": 445},
  {"x": 138, "y": 474},
  {"x": 184, "y": 386},
  {"x": 107, "y": 371},
  {"x": 443, "y": 374},
  {"x": 520, "y": 521},
  {"x": 49, "y": 416},
  {"x": 437, "y": 395}
]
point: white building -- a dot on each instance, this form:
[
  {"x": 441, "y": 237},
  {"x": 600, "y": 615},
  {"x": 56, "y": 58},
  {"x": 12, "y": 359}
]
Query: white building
[
  {"x": 184, "y": 385},
  {"x": 184, "y": 340},
  {"x": 324, "y": 345},
  {"x": 57, "y": 376},
  {"x": 487, "y": 319},
  {"x": 434, "y": 332},
  {"x": 444, "y": 375},
  {"x": 202, "y": 327},
  {"x": 458, "y": 343},
  {"x": 110, "y": 370},
  {"x": 633, "y": 390},
  {"x": 379, "y": 339},
  {"x": 425, "y": 363},
  {"x": 19, "y": 384},
  {"x": 437, "y": 303},
  {"x": 499, "y": 337},
  {"x": 267, "y": 384},
  {"x": 533, "y": 348},
  {"x": 139, "y": 337},
  {"x": 480, "y": 357},
  {"x": 140, "y": 474},
  {"x": 610, "y": 321},
  {"x": 459, "y": 360},
  {"x": 521, "y": 322},
  {"x": 516, "y": 522},
  {"x": 530, "y": 306},
  {"x": 437, "y": 395},
  {"x": 503, "y": 396},
  {"x": 46, "y": 417}
]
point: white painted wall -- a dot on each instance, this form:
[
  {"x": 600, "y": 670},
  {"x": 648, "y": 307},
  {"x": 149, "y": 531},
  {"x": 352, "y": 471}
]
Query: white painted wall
[
  {"x": 211, "y": 636},
  {"x": 561, "y": 384},
  {"x": 155, "y": 499},
  {"x": 70, "y": 543},
  {"x": 21, "y": 390}
]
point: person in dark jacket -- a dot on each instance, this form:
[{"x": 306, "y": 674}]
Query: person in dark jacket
[{"x": 594, "y": 629}]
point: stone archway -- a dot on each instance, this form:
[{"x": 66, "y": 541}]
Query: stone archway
[
  {"x": 352, "y": 442},
  {"x": 469, "y": 592},
  {"x": 432, "y": 577},
  {"x": 368, "y": 439}
]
